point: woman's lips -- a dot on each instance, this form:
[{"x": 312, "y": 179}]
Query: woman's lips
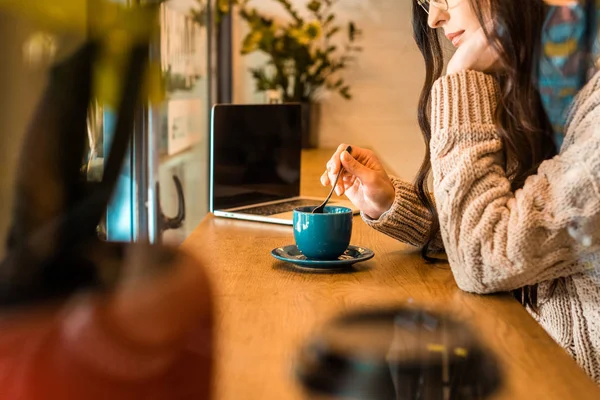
[{"x": 455, "y": 37}]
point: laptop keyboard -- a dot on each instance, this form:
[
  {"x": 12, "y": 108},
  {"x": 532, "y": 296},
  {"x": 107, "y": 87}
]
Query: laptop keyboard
[{"x": 286, "y": 206}]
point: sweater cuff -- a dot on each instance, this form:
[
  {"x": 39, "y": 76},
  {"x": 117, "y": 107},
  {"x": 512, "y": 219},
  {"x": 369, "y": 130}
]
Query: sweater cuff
[
  {"x": 406, "y": 214},
  {"x": 464, "y": 98},
  {"x": 400, "y": 187},
  {"x": 463, "y": 108}
]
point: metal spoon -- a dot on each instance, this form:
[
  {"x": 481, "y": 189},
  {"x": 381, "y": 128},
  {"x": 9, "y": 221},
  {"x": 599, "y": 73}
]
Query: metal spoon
[{"x": 321, "y": 208}]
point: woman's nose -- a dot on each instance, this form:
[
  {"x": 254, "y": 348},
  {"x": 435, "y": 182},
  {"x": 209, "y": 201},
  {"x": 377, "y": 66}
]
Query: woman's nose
[{"x": 437, "y": 18}]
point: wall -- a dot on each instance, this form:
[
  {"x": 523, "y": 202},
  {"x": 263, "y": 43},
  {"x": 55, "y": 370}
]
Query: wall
[
  {"x": 385, "y": 81},
  {"x": 20, "y": 89}
]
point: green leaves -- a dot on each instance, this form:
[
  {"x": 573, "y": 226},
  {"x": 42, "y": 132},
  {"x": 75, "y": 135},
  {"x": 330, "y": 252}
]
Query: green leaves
[
  {"x": 302, "y": 54},
  {"x": 353, "y": 32},
  {"x": 263, "y": 82},
  {"x": 329, "y": 20},
  {"x": 314, "y": 6},
  {"x": 251, "y": 42},
  {"x": 290, "y": 9},
  {"x": 345, "y": 92}
]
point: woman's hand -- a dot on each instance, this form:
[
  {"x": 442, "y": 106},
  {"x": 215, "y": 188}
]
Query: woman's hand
[
  {"x": 364, "y": 181},
  {"x": 476, "y": 53}
]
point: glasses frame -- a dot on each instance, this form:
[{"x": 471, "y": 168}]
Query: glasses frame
[{"x": 439, "y": 4}]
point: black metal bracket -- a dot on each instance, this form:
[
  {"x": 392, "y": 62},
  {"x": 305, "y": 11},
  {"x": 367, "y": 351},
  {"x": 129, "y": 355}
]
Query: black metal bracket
[{"x": 166, "y": 223}]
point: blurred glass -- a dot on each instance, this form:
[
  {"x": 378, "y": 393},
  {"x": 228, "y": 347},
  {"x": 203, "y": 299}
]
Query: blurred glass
[{"x": 403, "y": 354}]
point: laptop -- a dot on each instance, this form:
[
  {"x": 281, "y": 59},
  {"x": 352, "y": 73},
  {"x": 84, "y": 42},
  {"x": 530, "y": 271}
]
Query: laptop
[{"x": 255, "y": 156}]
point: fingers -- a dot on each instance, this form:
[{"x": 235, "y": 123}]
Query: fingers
[
  {"x": 353, "y": 172},
  {"x": 340, "y": 188},
  {"x": 333, "y": 166},
  {"x": 348, "y": 177},
  {"x": 353, "y": 167},
  {"x": 325, "y": 179},
  {"x": 357, "y": 170}
]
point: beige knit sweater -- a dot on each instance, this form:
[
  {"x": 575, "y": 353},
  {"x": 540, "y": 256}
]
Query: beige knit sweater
[{"x": 498, "y": 240}]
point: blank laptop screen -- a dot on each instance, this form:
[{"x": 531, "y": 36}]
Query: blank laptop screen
[{"x": 256, "y": 152}]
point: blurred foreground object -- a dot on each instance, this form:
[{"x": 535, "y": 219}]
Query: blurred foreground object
[
  {"x": 150, "y": 338},
  {"x": 560, "y": 2},
  {"x": 569, "y": 55},
  {"x": 40, "y": 49},
  {"x": 82, "y": 318},
  {"x": 115, "y": 27},
  {"x": 398, "y": 354}
]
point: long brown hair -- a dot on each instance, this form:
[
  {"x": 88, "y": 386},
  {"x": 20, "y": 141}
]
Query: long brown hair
[{"x": 520, "y": 118}]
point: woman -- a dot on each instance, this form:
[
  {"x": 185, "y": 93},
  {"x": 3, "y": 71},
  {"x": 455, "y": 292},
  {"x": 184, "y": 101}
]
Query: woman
[{"x": 510, "y": 213}]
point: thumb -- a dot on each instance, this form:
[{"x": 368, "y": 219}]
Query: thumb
[{"x": 353, "y": 167}]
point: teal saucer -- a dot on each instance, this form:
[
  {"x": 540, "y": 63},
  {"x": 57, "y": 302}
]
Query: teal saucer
[{"x": 352, "y": 255}]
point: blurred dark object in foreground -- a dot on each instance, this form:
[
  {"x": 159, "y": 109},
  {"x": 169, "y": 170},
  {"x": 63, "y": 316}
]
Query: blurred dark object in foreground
[
  {"x": 56, "y": 212},
  {"x": 81, "y": 318},
  {"x": 400, "y": 354}
]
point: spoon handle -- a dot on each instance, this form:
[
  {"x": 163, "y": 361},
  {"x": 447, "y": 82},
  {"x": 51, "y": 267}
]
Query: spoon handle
[
  {"x": 321, "y": 208},
  {"x": 337, "y": 178}
]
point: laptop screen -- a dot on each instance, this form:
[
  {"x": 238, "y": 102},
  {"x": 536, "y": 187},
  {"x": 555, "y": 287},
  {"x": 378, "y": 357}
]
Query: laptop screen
[{"x": 255, "y": 154}]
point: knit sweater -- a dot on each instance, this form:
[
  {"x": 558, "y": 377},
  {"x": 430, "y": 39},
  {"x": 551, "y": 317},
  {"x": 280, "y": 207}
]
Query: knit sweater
[{"x": 498, "y": 240}]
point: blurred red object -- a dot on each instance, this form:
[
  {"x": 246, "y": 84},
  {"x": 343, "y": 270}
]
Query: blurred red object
[{"x": 149, "y": 339}]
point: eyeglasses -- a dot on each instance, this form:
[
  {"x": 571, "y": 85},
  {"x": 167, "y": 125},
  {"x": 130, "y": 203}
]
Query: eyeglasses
[{"x": 439, "y": 4}]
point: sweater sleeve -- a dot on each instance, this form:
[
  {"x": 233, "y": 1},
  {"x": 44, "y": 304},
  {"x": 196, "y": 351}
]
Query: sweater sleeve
[
  {"x": 407, "y": 220},
  {"x": 497, "y": 240}
]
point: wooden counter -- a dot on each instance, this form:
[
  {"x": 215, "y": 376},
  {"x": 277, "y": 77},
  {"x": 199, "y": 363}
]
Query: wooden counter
[{"x": 266, "y": 309}]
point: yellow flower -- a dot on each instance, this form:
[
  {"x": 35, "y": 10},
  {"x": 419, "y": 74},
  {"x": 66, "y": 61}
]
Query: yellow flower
[
  {"x": 313, "y": 29},
  {"x": 300, "y": 36},
  {"x": 251, "y": 42}
]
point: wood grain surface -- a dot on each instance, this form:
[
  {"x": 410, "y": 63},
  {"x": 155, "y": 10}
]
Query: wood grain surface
[{"x": 267, "y": 309}]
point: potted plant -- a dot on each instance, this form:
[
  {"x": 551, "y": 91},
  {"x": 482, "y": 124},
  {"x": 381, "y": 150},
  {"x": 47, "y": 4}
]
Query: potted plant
[{"x": 305, "y": 56}]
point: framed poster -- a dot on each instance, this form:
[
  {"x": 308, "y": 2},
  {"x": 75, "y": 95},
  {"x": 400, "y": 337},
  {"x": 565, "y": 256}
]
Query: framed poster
[{"x": 186, "y": 124}]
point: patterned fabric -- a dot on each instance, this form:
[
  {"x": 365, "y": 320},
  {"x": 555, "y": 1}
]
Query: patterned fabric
[{"x": 570, "y": 48}]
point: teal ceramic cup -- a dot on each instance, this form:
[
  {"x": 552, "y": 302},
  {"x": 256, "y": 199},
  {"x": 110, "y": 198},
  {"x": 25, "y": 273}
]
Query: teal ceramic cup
[{"x": 323, "y": 236}]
